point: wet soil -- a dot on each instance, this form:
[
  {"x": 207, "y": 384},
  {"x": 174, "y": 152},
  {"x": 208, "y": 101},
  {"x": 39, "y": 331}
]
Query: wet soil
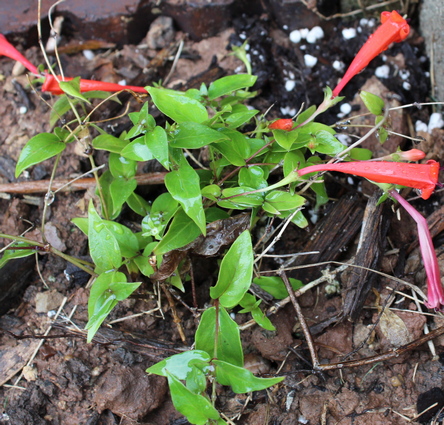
[{"x": 60, "y": 379}]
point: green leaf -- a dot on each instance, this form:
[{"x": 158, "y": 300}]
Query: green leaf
[
  {"x": 137, "y": 150},
  {"x": 241, "y": 202},
  {"x": 241, "y": 380},
  {"x": 121, "y": 167},
  {"x": 292, "y": 161},
  {"x": 360, "y": 154},
  {"x": 106, "y": 291},
  {"x": 184, "y": 186},
  {"x": 38, "y": 149},
  {"x": 327, "y": 144},
  {"x": 192, "y": 135},
  {"x": 178, "y": 106},
  {"x": 382, "y": 132},
  {"x": 181, "y": 232},
  {"x": 157, "y": 142},
  {"x": 109, "y": 143},
  {"x": 11, "y": 254},
  {"x": 103, "y": 246},
  {"x": 252, "y": 177},
  {"x": 229, "y": 84},
  {"x": 179, "y": 364},
  {"x": 372, "y": 102},
  {"x": 237, "y": 119},
  {"x": 251, "y": 305},
  {"x": 236, "y": 271},
  {"x": 275, "y": 286},
  {"x": 60, "y": 107},
  {"x": 228, "y": 346},
  {"x": 278, "y": 200},
  {"x": 236, "y": 149},
  {"x": 72, "y": 88},
  {"x": 195, "y": 407},
  {"x": 285, "y": 138},
  {"x": 120, "y": 190},
  {"x": 126, "y": 239},
  {"x": 138, "y": 204}
]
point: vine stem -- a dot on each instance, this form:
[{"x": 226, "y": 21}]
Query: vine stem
[{"x": 45, "y": 247}]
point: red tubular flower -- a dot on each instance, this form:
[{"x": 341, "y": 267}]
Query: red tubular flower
[
  {"x": 52, "y": 85},
  {"x": 281, "y": 124},
  {"x": 394, "y": 29},
  {"x": 419, "y": 176},
  {"x": 7, "y": 49},
  {"x": 410, "y": 155},
  {"x": 435, "y": 291}
]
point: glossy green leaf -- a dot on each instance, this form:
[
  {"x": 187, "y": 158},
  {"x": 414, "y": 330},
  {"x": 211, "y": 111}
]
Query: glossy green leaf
[
  {"x": 228, "y": 346},
  {"x": 178, "y": 365},
  {"x": 181, "y": 232},
  {"x": 212, "y": 191},
  {"x": 106, "y": 291},
  {"x": 183, "y": 185},
  {"x": 38, "y": 149},
  {"x": 109, "y": 143},
  {"x": 382, "y": 132},
  {"x": 230, "y": 83},
  {"x": 120, "y": 190},
  {"x": 239, "y": 201},
  {"x": 293, "y": 161},
  {"x": 372, "y": 102},
  {"x": 178, "y": 106},
  {"x": 13, "y": 253},
  {"x": 278, "y": 200},
  {"x": 321, "y": 194},
  {"x": 275, "y": 286},
  {"x": 360, "y": 154},
  {"x": 252, "y": 177},
  {"x": 284, "y": 138},
  {"x": 241, "y": 380},
  {"x": 251, "y": 305},
  {"x": 127, "y": 240},
  {"x": 103, "y": 246},
  {"x": 137, "y": 150},
  {"x": 236, "y": 149},
  {"x": 327, "y": 144},
  {"x": 236, "y": 271},
  {"x": 192, "y": 135},
  {"x": 138, "y": 204},
  {"x": 121, "y": 167},
  {"x": 157, "y": 142},
  {"x": 72, "y": 88},
  {"x": 196, "y": 408}
]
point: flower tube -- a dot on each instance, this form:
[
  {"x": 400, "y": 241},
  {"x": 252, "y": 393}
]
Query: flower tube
[
  {"x": 394, "y": 29},
  {"x": 419, "y": 176},
  {"x": 435, "y": 291},
  {"x": 7, "y": 49},
  {"x": 52, "y": 85}
]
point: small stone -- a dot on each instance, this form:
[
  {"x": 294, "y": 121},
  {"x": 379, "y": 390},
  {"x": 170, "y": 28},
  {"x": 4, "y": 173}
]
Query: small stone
[
  {"x": 290, "y": 85},
  {"x": 310, "y": 61},
  {"x": 382, "y": 71},
  {"x": 315, "y": 34},
  {"x": 48, "y": 300},
  {"x": 161, "y": 33},
  {"x": 349, "y": 33},
  {"x": 435, "y": 121}
]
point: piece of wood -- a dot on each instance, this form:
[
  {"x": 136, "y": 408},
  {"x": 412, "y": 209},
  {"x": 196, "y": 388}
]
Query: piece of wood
[{"x": 369, "y": 255}]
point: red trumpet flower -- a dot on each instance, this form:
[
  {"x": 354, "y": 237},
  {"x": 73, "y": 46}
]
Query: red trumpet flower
[
  {"x": 281, "y": 124},
  {"x": 7, "y": 49},
  {"x": 394, "y": 29},
  {"x": 435, "y": 291},
  {"x": 419, "y": 176},
  {"x": 52, "y": 85}
]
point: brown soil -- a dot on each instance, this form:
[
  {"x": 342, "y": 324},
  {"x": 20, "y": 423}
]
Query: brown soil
[{"x": 71, "y": 382}]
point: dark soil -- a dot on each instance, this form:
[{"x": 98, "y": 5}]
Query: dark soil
[{"x": 71, "y": 382}]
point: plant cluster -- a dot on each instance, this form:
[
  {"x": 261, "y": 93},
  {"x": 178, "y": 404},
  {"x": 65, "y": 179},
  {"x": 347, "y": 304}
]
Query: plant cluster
[{"x": 245, "y": 154}]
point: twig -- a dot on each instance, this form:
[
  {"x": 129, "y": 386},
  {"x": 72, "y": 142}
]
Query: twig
[
  {"x": 41, "y": 186},
  {"x": 304, "y": 326}
]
